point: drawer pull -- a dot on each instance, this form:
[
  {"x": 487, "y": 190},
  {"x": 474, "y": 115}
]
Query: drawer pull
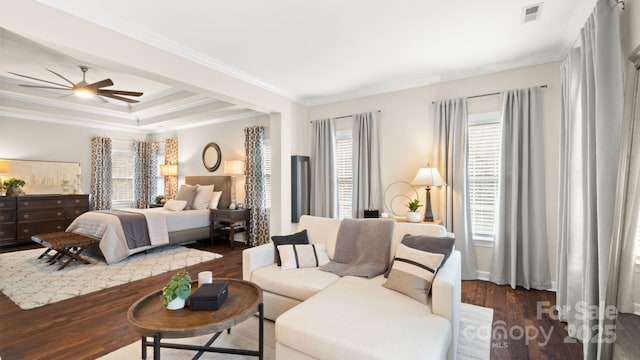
[
  {"x": 26, "y": 231},
  {"x": 59, "y": 214},
  {"x": 59, "y": 202},
  {"x": 25, "y": 216}
]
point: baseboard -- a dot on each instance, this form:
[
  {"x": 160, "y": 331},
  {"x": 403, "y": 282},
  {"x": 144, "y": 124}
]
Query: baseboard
[{"x": 484, "y": 276}]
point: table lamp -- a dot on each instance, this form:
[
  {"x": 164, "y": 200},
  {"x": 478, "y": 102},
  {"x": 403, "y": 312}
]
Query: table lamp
[
  {"x": 170, "y": 172},
  {"x": 233, "y": 168},
  {"x": 428, "y": 177}
]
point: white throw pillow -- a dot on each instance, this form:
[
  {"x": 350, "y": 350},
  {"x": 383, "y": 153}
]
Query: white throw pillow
[
  {"x": 215, "y": 199},
  {"x": 174, "y": 205},
  {"x": 202, "y": 198},
  {"x": 303, "y": 255},
  {"x": 413, "y": 271}
]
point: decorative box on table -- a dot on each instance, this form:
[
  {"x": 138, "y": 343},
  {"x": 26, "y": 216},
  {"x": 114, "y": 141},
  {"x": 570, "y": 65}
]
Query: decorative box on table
[{"x": 209, "y": 296}]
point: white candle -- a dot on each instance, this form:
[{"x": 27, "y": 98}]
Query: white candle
[
  {"x": 205, "y": 277},
  {"x": 79, "y": 170}
]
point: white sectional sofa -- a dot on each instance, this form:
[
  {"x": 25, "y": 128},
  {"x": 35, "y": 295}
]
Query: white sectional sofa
[{"x": 320, "y": 315}]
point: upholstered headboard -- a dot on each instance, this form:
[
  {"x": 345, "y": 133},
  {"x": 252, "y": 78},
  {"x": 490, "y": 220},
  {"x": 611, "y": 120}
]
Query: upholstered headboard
[{"x": 220, "y": 183}]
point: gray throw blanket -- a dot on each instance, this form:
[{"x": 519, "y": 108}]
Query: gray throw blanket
[
  {"x": 134, "y": 226},
  {"x": 362, "y": 248}
]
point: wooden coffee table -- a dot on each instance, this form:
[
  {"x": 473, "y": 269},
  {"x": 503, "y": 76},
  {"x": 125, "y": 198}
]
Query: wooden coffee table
[{"x": 150, "y": 319}]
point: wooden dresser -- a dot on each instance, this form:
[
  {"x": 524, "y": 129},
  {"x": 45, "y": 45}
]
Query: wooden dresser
[{"x": 36, "y": 214}]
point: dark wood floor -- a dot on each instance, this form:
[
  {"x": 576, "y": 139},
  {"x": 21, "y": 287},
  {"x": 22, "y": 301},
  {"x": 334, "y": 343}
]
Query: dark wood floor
[{"x": 89, "y": 326}]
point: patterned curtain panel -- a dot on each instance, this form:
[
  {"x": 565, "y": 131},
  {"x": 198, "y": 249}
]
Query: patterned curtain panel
[
  {"x": 145, "y": 185},
  {"x": 101, "y": 187},
  {"x": 255, "y": 186},
  {"x": 171, "y": 158}
]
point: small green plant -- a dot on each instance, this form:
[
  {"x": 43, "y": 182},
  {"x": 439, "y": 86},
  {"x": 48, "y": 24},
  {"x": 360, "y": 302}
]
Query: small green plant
[
  {"x": 178, "y": 286},
  {"x": 414, "y": 205},
  {"x": 12, "y": 183},
  {"x": 159, "y": 199}
]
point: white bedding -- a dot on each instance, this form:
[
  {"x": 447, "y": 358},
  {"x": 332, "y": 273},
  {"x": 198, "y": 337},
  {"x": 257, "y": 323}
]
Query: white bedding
[{"x": 113, "y": 244}]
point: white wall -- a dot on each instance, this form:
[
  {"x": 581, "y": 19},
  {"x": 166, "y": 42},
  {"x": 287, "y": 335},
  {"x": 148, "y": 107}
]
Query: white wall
[{"x": 406, "y": 123}]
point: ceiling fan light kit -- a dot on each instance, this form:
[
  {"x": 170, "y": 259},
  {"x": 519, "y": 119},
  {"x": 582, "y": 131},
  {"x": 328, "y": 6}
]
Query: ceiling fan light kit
[{"x": 83, "y": 88}]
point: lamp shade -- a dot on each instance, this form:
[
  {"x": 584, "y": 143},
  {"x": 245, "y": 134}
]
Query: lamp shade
[
  {"x": 234, "y": 167},
  {"x": 428, "y": 177},
  {"x": 5, "y": 167},
  {"x": 169, "y": 170}
]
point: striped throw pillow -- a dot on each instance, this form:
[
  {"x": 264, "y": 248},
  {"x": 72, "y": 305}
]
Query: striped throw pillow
[
  {"x": 413, "y": 271},
  {"x": 302, "y": 256}
]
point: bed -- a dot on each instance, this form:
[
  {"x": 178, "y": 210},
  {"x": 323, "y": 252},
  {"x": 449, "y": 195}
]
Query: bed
[{"x": 164, "y": 227}]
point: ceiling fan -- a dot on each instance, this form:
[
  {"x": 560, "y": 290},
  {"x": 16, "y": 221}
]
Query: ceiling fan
[{"x": 85, "y": 89}]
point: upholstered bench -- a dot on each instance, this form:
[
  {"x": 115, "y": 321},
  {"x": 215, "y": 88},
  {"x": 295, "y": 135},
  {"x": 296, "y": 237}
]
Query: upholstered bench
[{"x": 65, "y": 244}]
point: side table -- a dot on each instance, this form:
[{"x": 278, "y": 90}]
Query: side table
[{"x": 229, "y": 222}]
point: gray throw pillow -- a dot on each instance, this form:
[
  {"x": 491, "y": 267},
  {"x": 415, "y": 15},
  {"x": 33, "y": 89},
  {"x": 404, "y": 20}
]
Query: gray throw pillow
[
  {"x": 187, "y": 193},
  {"x": 299, "y": 238}
]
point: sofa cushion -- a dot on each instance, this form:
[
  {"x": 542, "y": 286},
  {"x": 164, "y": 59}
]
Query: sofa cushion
[
  {"x": 321, "y": 230},
  {"x": 297, "y": 238},
  {"x": 298, "y": 284},
  {"x": 357, "y": 318},
  {"x": 302, "y": 256},
  {"x": 435, "y": 244},
  {"x": 413, "y": 271}
]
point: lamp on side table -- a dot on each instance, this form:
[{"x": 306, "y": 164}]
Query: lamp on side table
[{"x": 428, "y": 177}]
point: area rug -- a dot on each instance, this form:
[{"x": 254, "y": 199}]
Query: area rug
[
  {"x": 474, "y": 343},
  {"x": 30, "y": 282}
]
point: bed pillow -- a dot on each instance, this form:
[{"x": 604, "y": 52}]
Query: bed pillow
[
  {"x": 302, "y": 256},
  {"x": 297, "y": 238},
  {"x": 413, "y": 271},
  {"x": 215, "y": 199},
  {"x": 435, "y": 244},
  {"x": 187, "y": 193},
  {"x": 174, "y": 205},
  {"x": 202, "y": 198}
]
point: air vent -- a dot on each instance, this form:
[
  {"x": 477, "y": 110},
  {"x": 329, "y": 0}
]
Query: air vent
[{"x": 531, "y": 12}]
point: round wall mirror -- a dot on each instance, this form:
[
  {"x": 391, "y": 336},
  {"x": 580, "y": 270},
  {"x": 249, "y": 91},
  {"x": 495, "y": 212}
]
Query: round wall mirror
[{"x": 211, "y": 157}]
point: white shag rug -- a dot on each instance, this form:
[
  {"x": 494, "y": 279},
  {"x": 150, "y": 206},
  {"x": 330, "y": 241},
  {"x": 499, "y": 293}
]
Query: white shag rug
[
  {"x": 31, "y": 282},
  {"x": 474, "y": 343}
]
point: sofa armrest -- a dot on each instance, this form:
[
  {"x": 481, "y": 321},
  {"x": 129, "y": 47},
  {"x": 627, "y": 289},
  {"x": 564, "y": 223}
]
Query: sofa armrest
[
  {"x": 255, "y": 258},
  {"x": 446, "y": 295}
]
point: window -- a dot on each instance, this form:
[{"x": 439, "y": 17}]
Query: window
[
  {"x": 160, "y": 179},
  {"x": 267, "y": 172},
  {"x": 483, "y": 167},
  {"x": 344, "y": 162},
  {"x": 122, "y": 173}
]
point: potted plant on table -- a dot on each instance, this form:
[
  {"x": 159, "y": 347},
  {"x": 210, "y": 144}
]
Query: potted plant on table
[
  {"x": 176, "y": 292},
  {"x": 414, "y": 215},
  {"x": 13, "y": 186}
]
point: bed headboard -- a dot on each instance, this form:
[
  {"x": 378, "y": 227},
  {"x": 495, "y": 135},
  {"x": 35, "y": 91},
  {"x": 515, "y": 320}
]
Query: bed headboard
[{"x": 220, "y": 183}]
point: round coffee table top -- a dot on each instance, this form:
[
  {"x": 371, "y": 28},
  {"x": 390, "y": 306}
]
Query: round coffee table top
[{"x": 149, "y": 317}]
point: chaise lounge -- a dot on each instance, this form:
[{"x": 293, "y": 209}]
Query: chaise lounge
[{"x": 320, "y": 315}]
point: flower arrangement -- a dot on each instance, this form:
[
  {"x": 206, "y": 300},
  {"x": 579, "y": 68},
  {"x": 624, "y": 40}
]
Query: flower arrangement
[{"x": 13, "y": 186}]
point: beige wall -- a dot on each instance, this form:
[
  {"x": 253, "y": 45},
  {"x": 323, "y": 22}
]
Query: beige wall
[{"x": 406, "y": 123}]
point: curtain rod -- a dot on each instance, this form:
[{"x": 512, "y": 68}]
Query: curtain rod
[
  {"x": 345, "y": 116},
  {"x": 490, "y": 94}
]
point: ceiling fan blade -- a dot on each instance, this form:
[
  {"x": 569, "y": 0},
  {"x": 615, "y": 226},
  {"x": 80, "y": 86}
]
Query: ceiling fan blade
[
  {"x": 44, "y": 87},
  {"x": 32, "y": 78},
  {"x": 119, "y": 92},
  {"x": 99, "y": 84},
  {"x": 132, "y": 101},
  {"x": 62, "y": 77}
]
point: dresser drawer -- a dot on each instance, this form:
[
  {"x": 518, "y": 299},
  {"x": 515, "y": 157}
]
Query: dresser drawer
[
  {"x": 82, "y": 202},
  {"x": 228, "y": 216},
  {"x": 25, "y": 203},
  {"x": 7, "y": 216},
  {"x": 74, "y": 212},
  {"x": 7, "y": 203},
  {"x": 7, "y": 231},
  {"x": 27, "y": 230},
  {"x": 41, "y": 214}
]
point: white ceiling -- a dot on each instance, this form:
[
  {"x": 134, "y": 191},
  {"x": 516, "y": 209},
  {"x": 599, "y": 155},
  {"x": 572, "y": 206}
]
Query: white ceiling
[{"x": 310, "y": 51}]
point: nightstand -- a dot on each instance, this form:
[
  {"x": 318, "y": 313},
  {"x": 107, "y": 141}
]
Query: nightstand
[
  {"x": 228, "y": 222},
  {"x": 155, "y": 205}
]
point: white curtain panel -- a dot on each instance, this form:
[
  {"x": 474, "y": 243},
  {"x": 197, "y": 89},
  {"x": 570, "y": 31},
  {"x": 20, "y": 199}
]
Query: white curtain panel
[
  {"x": 592, "y": 103},
  {"x": 324, "y": 177},
  {"x": 367, "y": 179},
  {"x": 520, "y": 256},
  {"x": 450, "y": 117}
]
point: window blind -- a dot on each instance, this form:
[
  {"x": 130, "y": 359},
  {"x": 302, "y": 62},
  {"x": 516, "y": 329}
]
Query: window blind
[
  {"x": 344, "y": 167},
  {"x": 266, "y": 159},
  {"x": 483, "y": 167}
]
